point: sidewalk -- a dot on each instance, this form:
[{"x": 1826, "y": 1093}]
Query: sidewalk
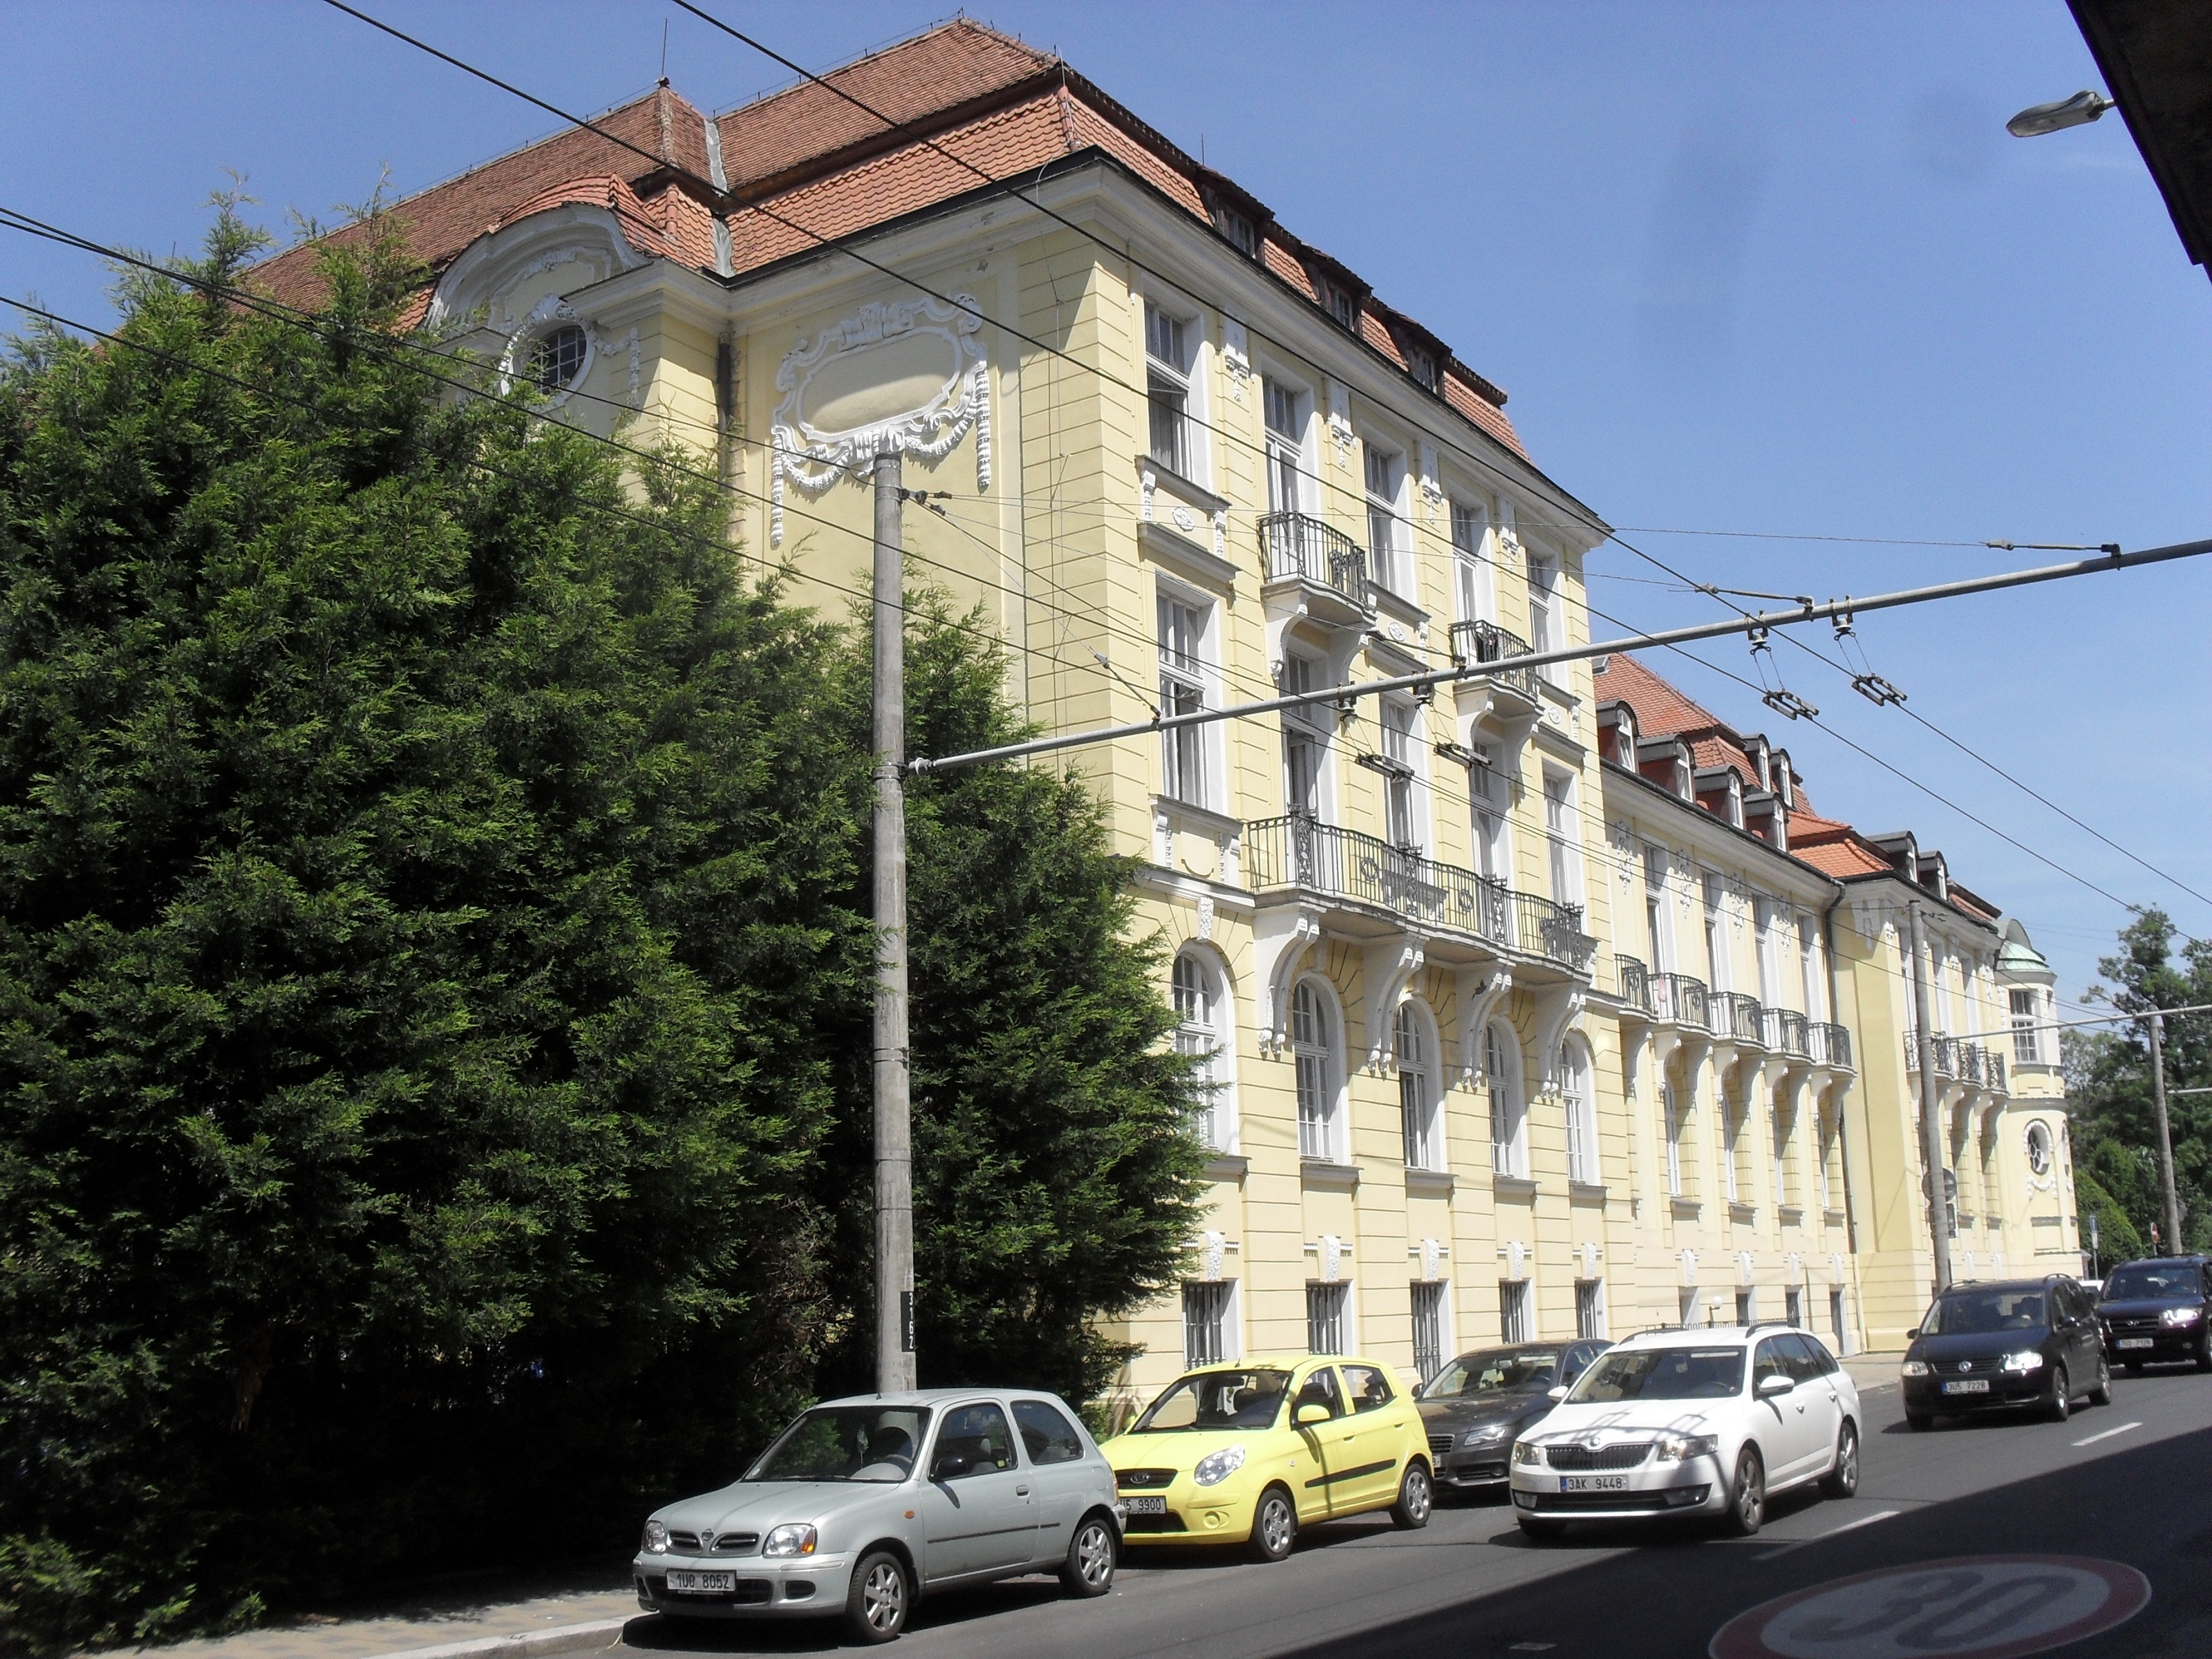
[
  {"x": 1872, "y": 1370},
  {"x": 510, "y": 1619}
]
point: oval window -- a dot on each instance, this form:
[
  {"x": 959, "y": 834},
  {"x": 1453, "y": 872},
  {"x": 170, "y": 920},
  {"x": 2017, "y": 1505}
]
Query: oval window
[
  {"x": 2039, "y": 1149},
  {"x": 555, "y": 358}
]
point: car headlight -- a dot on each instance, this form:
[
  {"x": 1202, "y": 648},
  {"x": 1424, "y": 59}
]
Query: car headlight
[
  {"x": 1681, "y": 1447},
  {"x": 1215, "y": 1467},
  {"x": 1489, "y": 1435},
  {"x": 1528, "y": 1451},
  {"x": 1913, "y": 1368},
  {"x": 790, "y": 1539},
  {"x": 2028, "y": 1360},
  {"x": 655, "y": 1541},
  {"x": 2178, "y": 1317}
]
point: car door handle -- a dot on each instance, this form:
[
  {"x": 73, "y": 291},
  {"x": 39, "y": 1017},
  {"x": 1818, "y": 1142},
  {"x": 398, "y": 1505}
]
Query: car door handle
[{"x": 1021, "y": 1492}]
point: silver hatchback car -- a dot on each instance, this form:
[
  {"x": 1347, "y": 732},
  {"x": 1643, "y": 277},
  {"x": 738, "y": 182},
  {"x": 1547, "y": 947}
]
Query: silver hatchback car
[{"x": 863, "y": 1503}]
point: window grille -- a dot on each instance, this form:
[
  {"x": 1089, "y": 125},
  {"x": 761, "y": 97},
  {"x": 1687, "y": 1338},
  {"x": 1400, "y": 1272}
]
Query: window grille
[
  {"x": 1205, "y": 1324},
  {"x": 1325, "y": 1306},
  {"x": 1513, "y": 1311},
  {"x": 1428, "y": 1330},
  {"x": 555, "y": 358},
  {"x": 1590, "y": 1306}
]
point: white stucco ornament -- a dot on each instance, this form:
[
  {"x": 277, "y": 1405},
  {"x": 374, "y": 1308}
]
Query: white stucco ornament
[
  {"x": 907, "y": 378},
  {"x": 1215, "y": 1246}
]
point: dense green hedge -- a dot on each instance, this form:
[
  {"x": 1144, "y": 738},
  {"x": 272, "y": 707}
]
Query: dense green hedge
[{"x": 434, "y": 978}]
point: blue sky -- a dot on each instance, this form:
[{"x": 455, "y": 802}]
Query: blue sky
[{"x": 1746, "y": 269}]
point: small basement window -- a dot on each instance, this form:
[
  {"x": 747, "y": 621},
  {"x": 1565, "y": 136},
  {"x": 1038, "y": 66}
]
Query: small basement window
[{"x": 555, "y": 358}]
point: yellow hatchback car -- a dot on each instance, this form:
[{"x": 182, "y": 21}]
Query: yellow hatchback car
[{"x": 1249, "y": 1451}]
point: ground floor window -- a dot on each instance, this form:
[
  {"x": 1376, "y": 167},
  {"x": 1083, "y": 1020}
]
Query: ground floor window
[
  {"x": 1428, "y": 1330},
  {"x": 1793, "y": 1305},
  {"x": 1206, "y": 1323},
  {"x": 1324, "y": 1306},
  {"x": 1590, "y": 1306},
  {"x": 1690, "y": 1316},
  {"x": 1746, "y": 1306},
  {"x": 1513, "y": 1324},
  {"x": 1836, "y": 1320}
]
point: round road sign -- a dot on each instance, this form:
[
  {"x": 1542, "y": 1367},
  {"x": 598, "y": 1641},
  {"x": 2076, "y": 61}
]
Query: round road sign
[{"x": 1975, "y": 1607}]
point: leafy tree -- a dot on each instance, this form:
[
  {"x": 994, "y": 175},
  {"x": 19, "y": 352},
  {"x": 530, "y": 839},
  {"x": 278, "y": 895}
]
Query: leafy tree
[
  {"x": 433, "y": 935},
  {"x": 2109, "y": 1082}
]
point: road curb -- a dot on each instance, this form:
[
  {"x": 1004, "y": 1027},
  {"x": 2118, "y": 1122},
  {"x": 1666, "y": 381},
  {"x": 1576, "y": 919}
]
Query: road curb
[{"x": 589, "y": 1637}]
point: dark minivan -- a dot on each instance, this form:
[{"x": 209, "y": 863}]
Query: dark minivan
[
  {"x": 2154, "y": 1311},
  {"x": 1478, "y": 1405},
  {"x": 2003, "y": 1346}
]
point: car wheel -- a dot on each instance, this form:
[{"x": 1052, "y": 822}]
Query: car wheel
[
  {"x": 1416, "y": 1496},
  {"x": 1920, "y": 1422},
  {"x": 1543, "y": 1532},
  {"x": 1274, "y": 1525},
  {"x": 1746, "y": 1507},
  {"x": 1842, "y": 1479},
  {"x": 1092, "y": 1554},
  {"x": 2102, "y": 1394},
  {"x": 882, "y": 1594},
  {"x": 2061, "y": 1395}
]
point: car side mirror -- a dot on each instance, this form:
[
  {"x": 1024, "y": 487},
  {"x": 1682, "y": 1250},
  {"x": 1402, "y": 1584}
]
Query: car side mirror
[
  {"x": 1911, "y": 1334},
  {"x": 1559, "y": 1393},
  {"x": 1418, "y": 1386},
  {"x": 1311, "y": 1412},
  {"x": 950, "y": 1466},
  {"x": 1770, "y": 1386}
]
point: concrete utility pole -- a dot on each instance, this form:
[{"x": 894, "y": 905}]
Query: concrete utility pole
[
  {"x": 895, "y": 1370},
  {"x": 2165, "y": 1134},
  {"x": 1931, "y": 1122}
]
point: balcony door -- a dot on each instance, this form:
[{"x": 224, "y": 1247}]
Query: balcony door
[{"x": 1287, "y": 429}]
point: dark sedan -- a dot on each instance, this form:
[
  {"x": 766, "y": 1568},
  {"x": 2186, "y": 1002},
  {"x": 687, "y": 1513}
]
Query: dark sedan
[
  {"x": 2020, "y": 1343},
  {"x": 1479, "y": 1404},
  {"x": 2157, "y": 1311}
]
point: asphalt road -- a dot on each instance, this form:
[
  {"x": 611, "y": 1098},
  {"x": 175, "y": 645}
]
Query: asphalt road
[{"x": 2131, "y": 1482}]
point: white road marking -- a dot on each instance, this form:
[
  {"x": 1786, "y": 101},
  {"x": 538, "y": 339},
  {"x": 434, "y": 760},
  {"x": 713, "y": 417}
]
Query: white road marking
[
  {"x": 2107, "y": 1434},
  {"x": 1833, "y": 1532}
]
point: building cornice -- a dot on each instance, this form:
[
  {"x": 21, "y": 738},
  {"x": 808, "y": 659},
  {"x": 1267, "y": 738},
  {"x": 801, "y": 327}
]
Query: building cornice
[{"x": 1730, "y": 835}]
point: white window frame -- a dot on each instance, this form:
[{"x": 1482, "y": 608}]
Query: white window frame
[
  {"x": 1474, "y": 586},
  {"x": 1671, "y": 1123},
  {"x": 1563, "y": 835},
  {"x": 1170, "y": 361},
  {"x": 1405, "y": 800},
  {"x": 1389, "y": 543},
  {"x": 1318, "y": 1069},
  {"x": 1546, "y": 629},
  {"x": 1578, "y": 1105},
  {"x": 1188, "y": 679},
  {"x": 1766, "y": 950},
  {"x": 1306, "y": 728},
  {"x": 1291, "y": 472},
  {"x": 1719, "y": 972},
  {"x": 1490, "y": 809},
  {"x": 2026, "y": 1041},
  {"x": 1204, "y": 1028},
  {"x": 1809, "y": 949},
  {"x": 1508, "y": 1100},
  {"x": 1419, "y": 1100},
  {"x": 1658, "y": 913}
]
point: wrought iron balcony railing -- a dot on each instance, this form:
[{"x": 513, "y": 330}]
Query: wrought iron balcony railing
[
  {"x": 1475, "y": 642},
  {"x": 1829, "y": 1044},
  {"x": 1947, "y": 1052},
  {"x": 1737, "y": 1017},
  {"x": 1679, "y": 998},
  {"x": 1997, "y": 1079},
  {"x": 1294, "y": 546},
  {"x": 1297, "y": 850},
  {"x": 1788, "y": 1033},
  {"x": 1633, "y": 981}
]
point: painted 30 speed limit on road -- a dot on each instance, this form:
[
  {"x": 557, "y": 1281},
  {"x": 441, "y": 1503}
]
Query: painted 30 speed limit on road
[{"x": 1975, "y": 1607}]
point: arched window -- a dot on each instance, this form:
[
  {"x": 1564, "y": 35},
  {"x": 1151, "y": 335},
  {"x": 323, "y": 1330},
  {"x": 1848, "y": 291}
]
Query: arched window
[
  {"x": 1417, "y": 1090},
  {"x": 1581, "y": 1108},
  {"x": 1313, "y": 1048},
  {"x": 2038, "y": 1148},
  {"x": 1201, "y": 1011},
  {"x": 1501, "y": 1068},
  {"x": 554, "y": 359}
]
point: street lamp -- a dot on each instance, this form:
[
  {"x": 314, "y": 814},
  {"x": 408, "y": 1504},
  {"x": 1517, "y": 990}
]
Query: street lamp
[{"x": 2080, "y": 110}]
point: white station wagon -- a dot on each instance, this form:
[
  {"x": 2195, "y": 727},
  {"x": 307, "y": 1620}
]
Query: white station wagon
[
  {"x": 1702, "y": 1421},
  {"x": 863, "y": 1503}
]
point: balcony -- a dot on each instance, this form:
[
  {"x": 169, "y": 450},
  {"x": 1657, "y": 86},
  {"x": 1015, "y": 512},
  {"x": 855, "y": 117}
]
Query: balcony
[
  {"x": 1736, "y": 1017},
  {"x": 1476, "y": 642},
  {"x": 1326, "y": 562},
  {"x": 1633, "y": 982},
  {"x": 1298, "y": 851},
  {"x": 1965, "y": 1063},
  {"x": 1787, "y": 1033},
  {"x": 1828, "y": 1044},
  {"x": 1680, "y": 999}
]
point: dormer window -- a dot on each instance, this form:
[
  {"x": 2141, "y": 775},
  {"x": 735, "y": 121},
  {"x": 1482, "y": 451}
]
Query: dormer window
[
  {"x": 1237, "y": 230},
  {"x": 1421, "y": 364},
  {"x": 1340, "y": 302}
]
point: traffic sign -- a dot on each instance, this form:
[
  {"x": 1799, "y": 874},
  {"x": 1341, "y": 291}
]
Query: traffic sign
[{"x": 1975, "y": 1607}]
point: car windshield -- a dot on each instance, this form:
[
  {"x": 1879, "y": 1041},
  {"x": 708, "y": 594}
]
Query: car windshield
[
  {"x": 846, "y": 1442},
  {"x": 1981, "y": 1313},
  {"x": 1216, "y": 1399},
  {"x": 1495, "y": 1371},
  {"x": 1662, "y": 1374},
  {"x": 2141, "y": 1283}
]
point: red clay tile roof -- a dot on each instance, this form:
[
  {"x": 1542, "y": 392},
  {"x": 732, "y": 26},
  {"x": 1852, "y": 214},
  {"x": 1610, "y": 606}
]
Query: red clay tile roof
[
  {"x": 1662, "y": 709},
  {"x": 833, "y": 169},
  {"x": 1847, "y": 856}
]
